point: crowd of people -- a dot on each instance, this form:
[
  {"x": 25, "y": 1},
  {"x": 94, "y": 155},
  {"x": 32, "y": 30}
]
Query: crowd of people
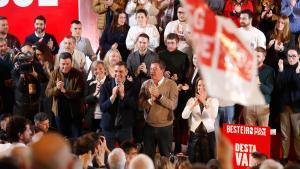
[{"x": 143, "y": 96}]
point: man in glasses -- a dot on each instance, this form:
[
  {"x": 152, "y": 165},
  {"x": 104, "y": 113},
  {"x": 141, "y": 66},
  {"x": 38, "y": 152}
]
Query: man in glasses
[
  {"x": 180, "y": 28},
  {"x": 288, "y": 82}
]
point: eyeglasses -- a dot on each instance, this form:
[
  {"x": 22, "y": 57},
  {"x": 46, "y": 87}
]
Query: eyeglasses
[
  {"x": 180, "y": 12},
  {"x": 294, "y": 56}
]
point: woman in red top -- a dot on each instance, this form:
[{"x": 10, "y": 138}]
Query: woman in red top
[{"x": 233, "y": 9}]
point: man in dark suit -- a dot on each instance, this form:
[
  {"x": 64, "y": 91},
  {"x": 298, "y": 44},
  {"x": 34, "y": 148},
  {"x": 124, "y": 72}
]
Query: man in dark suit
[{"x": 118, "y": 101}]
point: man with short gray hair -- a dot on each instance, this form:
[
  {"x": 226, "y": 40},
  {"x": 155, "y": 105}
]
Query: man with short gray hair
[
  {"x": 141, "y": 161},
  {"x": 116, "y": 159}
]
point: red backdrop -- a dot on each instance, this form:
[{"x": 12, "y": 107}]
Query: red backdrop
[{"x": 20, "y": 19}]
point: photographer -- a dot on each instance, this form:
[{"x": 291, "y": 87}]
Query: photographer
[{"x": 27, "y": 76}]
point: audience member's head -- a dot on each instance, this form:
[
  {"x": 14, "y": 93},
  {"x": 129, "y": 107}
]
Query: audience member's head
[
  {"x": 41, "y": 121},
  {"x": 157, "y": 70},
  {"x": 142, "y": 43},
  {"x": 261, "y": 55},
  {"x": 118, "y": 21},
  {"x": 181, "y": 14},
  {"x": 76, "y": 28},
  {"x": 3, "y": 46},
  {"x": 69, "y": 43},
  {"x": 51, "y": 152},
  {"x": 213, "y": 164},
  {"x": 116, "y": 159},
  {"x": 162, "y": 162},
  {"x": 130, "y": 150},
  {"x": 183, "y": 165},
  {"x": 40, "y": 24},
  {"x": 141, "y": 17},
  {"x": 270, "y": 164},
  {"x": 257, "y": 159},
  {"x": 4, "y": 119},
  {"x": 172, "y": 42},
  {"x": 3, "y": 25},
  {"x": 18, "y": 130},
  {"x": 293, "y": 55},
  {"x": 141, "y": 161},
  {"x": 42, "y": 52},
  {"x": 65, "y": 62},
  {"x": 112, "y": 57},
  {"x": 98, "y": 69},
  {"x": 22, "y": 156},
  {"x": 246, "y": 18},
  {"x": 27, "y": 47}
]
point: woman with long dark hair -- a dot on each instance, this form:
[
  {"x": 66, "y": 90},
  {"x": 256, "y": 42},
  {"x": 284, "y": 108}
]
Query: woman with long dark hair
[
  {"x": 278, "y": 42},
  {"x": 114, "y": 36},
  {"x": 201, "y": 111}
]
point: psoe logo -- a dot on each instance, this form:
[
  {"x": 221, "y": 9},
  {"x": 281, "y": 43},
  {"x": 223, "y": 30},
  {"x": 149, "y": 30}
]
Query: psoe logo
[{"x": 25, "y": 3}]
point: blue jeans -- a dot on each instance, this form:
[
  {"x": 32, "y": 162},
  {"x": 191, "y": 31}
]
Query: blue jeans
[
  {"x": 117, "y": 136},
  {"x": 225, "y": 115}
]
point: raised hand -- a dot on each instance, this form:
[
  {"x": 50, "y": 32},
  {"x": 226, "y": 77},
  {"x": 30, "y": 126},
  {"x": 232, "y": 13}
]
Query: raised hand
[
  {"x": 280, "y": 65},
  {"x": 298, "y": 67}
]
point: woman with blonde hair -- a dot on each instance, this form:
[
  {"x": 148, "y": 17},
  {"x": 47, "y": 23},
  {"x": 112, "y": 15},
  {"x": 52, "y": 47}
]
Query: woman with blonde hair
[
  {"x": 111, "y": 58},
  {"x": 92, "y": 94},
  {"x": 278, "y": 42},
  {"x": 201, "y": 111}
]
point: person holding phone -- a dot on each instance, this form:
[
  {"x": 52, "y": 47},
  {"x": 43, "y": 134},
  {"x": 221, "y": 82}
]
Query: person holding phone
[{"x": 201, "y": 111}]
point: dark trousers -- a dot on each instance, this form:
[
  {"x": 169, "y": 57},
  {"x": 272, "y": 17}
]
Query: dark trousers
[
  {"x": 27, "y": 110},
  {"x": 117, "y": 136},
  {"x": 294, "y": 38},
  {"x": 161, "y": 136},
  {"x": 198, "y": 151},
  {"x": 68, "y": 128}
]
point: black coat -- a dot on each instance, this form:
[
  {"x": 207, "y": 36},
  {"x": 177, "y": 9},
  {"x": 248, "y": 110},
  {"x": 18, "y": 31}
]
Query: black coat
[{"x": 119, "y": 114}]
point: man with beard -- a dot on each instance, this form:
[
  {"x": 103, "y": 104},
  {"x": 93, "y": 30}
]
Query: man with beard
[
  {"x": 12, "y": 41},
  {"x": 19, "y": 135},
  {"x": 66, "y": 87},
  {"x": 258, "y": 115},
  {"x": 253, "y": 36},
  {"x": 41, "y": 36},
  {"x": 180, "y": 28}
]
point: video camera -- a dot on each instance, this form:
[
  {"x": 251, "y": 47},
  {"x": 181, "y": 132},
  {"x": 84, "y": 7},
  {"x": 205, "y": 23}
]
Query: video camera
[{"x": 24, "y": 62}]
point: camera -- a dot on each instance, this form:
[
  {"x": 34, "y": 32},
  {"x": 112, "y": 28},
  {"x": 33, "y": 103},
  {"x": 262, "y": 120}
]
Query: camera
[{"x": 24, "y": 62}]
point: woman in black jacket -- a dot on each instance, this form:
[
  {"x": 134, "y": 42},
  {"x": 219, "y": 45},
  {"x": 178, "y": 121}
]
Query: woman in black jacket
[
  {"x": 114, "y": 36},
  {"x": 92, "y": 93}
]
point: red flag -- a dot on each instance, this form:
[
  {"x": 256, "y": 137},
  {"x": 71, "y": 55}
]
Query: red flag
[{"x": 227, "y": 64}]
